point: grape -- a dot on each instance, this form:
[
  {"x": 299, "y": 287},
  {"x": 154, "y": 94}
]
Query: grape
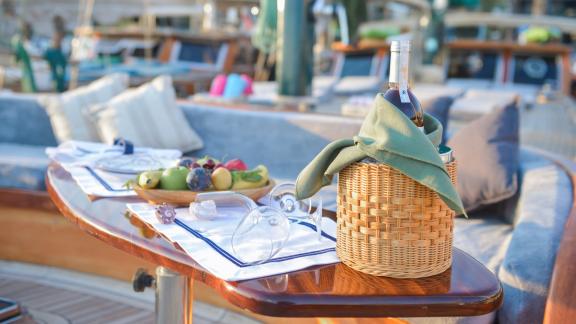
[
  {"x": 209, "y": 164},
  {"x": 186, "y": 162}
]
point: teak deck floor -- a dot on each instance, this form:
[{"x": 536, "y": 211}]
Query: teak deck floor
[
  {"x": 54, "y": 296},
  {"x": 57, "y": 305}
]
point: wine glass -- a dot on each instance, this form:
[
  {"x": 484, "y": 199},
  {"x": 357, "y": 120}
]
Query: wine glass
[
  {"x": 206, "y": 203},
  {"x": 283, "y": 198},
  {"x": 260, "y": 235}
]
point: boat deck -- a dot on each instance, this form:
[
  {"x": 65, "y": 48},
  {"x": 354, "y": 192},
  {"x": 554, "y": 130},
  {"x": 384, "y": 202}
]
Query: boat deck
[{"x": 51, "y": 295}]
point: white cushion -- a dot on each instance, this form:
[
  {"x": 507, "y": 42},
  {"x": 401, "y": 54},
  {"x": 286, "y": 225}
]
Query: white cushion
[
  {"x": 495, "y": 95},
  {"x": 476, "y": 105},
  {"x": 67, "y": 111},
  {"x": 148, "y": 116},
  {"x": 430, "y": 91}
]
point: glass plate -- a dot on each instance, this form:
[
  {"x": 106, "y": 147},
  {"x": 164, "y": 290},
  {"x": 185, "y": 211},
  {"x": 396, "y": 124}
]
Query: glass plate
[{"x": 130, "y": 164}]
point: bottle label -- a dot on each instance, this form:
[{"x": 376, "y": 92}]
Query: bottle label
[{"x": 403, "y": 71}]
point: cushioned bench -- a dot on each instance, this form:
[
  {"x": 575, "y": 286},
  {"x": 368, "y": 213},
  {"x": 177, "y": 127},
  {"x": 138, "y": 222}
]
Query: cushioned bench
[{"x": 517, "y": 239}]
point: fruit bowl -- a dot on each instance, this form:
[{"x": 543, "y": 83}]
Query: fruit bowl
[{"x": 185, "y": 197}]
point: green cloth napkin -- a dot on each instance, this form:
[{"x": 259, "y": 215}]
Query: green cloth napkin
[{"x": 390, "y": 137}]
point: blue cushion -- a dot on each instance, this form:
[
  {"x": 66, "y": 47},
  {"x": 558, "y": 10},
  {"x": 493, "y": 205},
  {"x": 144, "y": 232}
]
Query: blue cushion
[
  {"x": 439, "y": 108},
  {"x": 485, "y": 237},
  {"x": 542, "y": 210},
  {"x": 487, "y": 155},
  {"x": 284, "y": 142},
  {"x": 24, "y": 121},
  {"x": 22, "y": 166}
]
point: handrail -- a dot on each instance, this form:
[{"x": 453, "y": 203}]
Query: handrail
[
  {"x": 561, "y": 302},
  {"x": 473, "y": 19}
]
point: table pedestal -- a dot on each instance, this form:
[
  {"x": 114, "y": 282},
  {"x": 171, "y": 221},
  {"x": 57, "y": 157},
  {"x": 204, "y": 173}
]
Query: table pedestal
[{"x": 174, "y": 297}]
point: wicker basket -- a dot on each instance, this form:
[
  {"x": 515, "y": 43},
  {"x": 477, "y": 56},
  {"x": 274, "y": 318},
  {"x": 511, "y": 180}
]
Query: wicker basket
[{"x": 390, "y": 225}]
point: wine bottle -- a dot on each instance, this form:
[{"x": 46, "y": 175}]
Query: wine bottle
[{"x": 398, "y": 92}]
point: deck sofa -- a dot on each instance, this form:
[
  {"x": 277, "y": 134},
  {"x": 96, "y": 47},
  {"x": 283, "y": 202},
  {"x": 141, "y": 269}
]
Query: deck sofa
[{"x": 518, "y": 240}]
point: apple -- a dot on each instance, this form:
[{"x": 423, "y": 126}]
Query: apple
[
  {"x": 236, "y": 165},
  {"x": 174, "y": 178}
]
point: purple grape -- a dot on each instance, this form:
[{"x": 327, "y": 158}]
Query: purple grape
[
  {"x": 198, "y": 179},
  {"x": 209, "y": 164},
  {"x": 186, "y": 162}
]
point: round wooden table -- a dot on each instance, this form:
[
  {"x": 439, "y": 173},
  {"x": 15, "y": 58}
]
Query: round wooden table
[{"x": 466, "y": 289}]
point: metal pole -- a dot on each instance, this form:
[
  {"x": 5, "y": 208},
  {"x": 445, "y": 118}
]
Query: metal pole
[
  {"x": 174, "y": 297},
  {"x": 295, "y": 57}
]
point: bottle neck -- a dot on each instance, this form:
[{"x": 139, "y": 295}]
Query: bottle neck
[
  {"x": 396, "y": 85},
  {"x": 399, "y": 70}
]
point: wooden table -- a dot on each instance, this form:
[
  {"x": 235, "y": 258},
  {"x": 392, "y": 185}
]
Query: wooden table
[{"x": 467, "y": 289}]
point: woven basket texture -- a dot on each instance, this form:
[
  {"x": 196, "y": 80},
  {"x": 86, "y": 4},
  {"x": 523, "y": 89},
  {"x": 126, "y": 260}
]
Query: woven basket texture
[{"x": 390, "y": 225}]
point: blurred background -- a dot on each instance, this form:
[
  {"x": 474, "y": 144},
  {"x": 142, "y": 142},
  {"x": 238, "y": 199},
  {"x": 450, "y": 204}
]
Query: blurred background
[
  {"x": 523, "y": 43},
  {"x": 224, "y": 68}
]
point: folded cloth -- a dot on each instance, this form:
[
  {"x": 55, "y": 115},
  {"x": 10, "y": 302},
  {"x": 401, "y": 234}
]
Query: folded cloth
[
  {"x": 208, "y": 242},
  {"x": 80, "y": 159},
  {"x": 388, "y": 136}
]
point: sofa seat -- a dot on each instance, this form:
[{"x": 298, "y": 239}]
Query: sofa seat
[
  {"x": 485, "y": 238},
  {"x": 22, "y": 166}
]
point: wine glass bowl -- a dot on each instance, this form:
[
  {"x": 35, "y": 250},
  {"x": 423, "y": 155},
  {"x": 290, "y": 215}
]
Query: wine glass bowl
[{"x": 260, "y": 235}]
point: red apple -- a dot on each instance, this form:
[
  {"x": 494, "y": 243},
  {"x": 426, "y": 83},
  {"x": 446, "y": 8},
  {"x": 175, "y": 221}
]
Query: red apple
[{"x": 236, "y": 165}]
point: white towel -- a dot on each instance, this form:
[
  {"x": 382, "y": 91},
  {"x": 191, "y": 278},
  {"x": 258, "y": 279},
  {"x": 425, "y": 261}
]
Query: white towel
[
  {"x": 208, "y": 242},
  {"x": 79, "y": 158}
]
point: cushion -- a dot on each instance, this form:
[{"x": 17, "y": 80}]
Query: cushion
[
  {"x": 485, "y": 237},
  {"x": 283, "y": 141},
  {"x": 487, "y": 155},
  {"x": 22, "y": 166},
  {"x": 439, "y": 107},
  {"x": 24, "y": 121},
  {"x": 67, "y": 111},
  {"x": 545, "y": 202},
  {"x": 501, "y": 95},
  {"x": 476, "y": 103},
  {"x": 148, "y": 116},
  {"x": 427, "y": 91}
]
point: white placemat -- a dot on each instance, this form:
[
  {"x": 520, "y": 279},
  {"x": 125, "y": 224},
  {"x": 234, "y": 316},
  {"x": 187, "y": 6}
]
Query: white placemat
[
  {"x": 208, "y": 242},
  {"x": 79, "y": 159}
]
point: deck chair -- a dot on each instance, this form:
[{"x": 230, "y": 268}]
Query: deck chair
[
  {"x": 27, "y": 82},
  {"x": 57, "y": 62}
]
